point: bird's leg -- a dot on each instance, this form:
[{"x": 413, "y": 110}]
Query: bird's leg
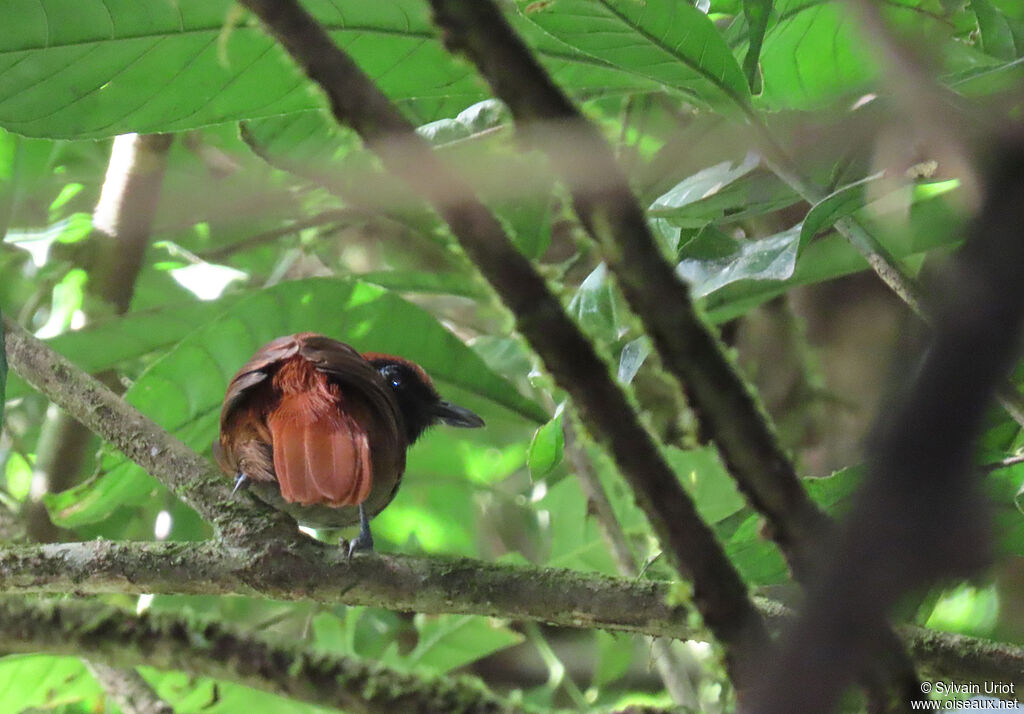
[
  {"x": 241, "y": 481},
  {"x": 363, "y": 541}
]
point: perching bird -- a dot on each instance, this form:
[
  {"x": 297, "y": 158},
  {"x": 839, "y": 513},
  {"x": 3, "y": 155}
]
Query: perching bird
[{"x": 320, "y": 431}]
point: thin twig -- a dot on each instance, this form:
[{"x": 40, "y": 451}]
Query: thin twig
[{"x": 127, "y": 687}]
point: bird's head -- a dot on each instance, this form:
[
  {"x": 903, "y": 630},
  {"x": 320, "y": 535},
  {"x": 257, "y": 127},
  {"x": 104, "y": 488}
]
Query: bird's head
[{"x": 418, "y": 401}]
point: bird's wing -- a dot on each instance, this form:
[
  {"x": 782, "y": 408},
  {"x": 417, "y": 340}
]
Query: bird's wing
[
  {"x": 244, "y": 437},
  {"x": 350, "y": 371}
]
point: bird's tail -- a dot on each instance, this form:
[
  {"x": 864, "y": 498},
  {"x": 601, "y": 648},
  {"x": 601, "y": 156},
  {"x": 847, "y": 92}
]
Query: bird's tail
[{"x": 321, "y": 455}]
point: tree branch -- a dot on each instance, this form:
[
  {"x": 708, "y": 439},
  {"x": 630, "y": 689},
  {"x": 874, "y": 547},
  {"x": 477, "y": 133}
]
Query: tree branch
[
  {"x": 127, "y": 687},
  {"x": 313, "y": 571},
  {"x": 428, "y": 585},
  {"x": 725, "y": 408},
  {"x": 719, "y": 592},
  {"x": 117, "y": 638},
  {"x": 122, "y": 220},
  {"x": 919, "y": 517},
  {"x": 194, "y": 479},
  {"x": 722, "y": 403}
]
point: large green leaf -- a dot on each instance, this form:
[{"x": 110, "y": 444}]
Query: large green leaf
[
  {"x": 188, "y": 693},
  {"x": 3, "y": 371},
  {"x": 817, "y": 52},
  {"x": 93, "y": 68},
  {"x": 756, "y": 13},
  {"x": 37, "y": 682},
  {"x": 934, "y": 224},
  {"x": 841, "y": 202},
  {"x": 183, "y": 390},
  {"x": 725, "y": 191},
  {"x": 116, "y": 340},
  {"x": 447, "y": 642},
  {"x": 669, "y": 42},
  {"x": 713, "y": 259}
]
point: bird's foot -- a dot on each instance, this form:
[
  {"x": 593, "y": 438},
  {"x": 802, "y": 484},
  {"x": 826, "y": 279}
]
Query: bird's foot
[
  {"x": 364, "y": 541},
  {"x": 241, "y": 481}
]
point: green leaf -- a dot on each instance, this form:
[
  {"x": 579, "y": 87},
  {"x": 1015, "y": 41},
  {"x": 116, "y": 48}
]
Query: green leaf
[
  {"x": 183, "y": 390},
  {"x": 575, "y": 539},
  {"x": 997, "y": 37},
  {"x": 614, "y": 655},
  {"x": 756, "y": 12},
  {"x": 632, "y": 358},
  {"x": 113, "y": 341},
  {"x": 771, "y": 258},
  {"x": 814, "y": 54},
  {"x": 90, "y": 69},
  {"x": 594, "y": 307},
  {"x": 9, "y": 145},
  {"x": 724, "y": 191},
  {"x": 547, "y": 447},
  {"x": 933, "y": 224},
  {"x": 759, "y": 560},
  {"x": 418, "y": 281},
  {"x": 838, "y": 204},
  {"x": 28, "y": 682},
  {"x": 3, "y": 370},
  {"x": 706, "y": 480},
  {"x": 188, "y": 693},
  {"x": 672, "y": 43},
  {"x": 447, "y": 642}
]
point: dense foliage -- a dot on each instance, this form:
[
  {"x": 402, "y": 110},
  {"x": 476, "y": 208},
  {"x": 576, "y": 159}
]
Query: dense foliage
[{"x": 748, "y": 130}]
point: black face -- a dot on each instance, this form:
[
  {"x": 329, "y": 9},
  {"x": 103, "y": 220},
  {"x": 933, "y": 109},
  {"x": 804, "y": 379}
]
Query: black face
[{"x": 419, "y": 402}]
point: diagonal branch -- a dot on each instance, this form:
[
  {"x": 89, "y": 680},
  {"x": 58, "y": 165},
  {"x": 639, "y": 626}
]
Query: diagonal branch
[
  {"x": 725, "y": 408},
  {"x": 727, "y": 411},
  {"x": 194, "y": 479},
  {"x": 719, "y": 592},
  {"x": 117, "y": 638}
]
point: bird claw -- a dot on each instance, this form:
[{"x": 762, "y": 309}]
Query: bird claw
[
  {"x": 241, "y": 481},
  {"x": 364, "y": 541}
]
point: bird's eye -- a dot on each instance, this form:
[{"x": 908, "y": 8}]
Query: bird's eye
[{"x": 392, "y": 374}]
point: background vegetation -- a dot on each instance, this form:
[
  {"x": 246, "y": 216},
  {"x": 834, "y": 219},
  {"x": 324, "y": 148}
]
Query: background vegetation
[{"x": 800, "y": 165}]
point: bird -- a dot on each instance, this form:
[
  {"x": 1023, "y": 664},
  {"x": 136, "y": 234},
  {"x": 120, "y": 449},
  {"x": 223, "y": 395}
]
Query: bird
[{"x": 320, "y": 431}]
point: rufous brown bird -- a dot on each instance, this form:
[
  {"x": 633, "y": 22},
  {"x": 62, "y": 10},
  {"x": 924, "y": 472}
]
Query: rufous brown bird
[{"x": 320, "y": 431}]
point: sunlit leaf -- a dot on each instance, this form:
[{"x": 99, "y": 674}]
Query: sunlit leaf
[
  {"x": 670, "y": 42},
  {"x": 447, "y": 642},
  {"x": 771, "y": 258},
  {"x": 546, "y": 449},
  {"x": 29, "y": 682},
  {"x": 841, "y": 202}
]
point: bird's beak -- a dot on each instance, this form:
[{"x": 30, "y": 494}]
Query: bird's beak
[{"x": 454, "y": 415}]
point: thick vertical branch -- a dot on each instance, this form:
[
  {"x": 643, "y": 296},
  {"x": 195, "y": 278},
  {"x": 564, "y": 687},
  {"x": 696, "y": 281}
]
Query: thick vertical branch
[
  {"x": 122, "y": 218},
  {"x": 719, "y": 592},
  {"x": 919, "y": 518}
]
